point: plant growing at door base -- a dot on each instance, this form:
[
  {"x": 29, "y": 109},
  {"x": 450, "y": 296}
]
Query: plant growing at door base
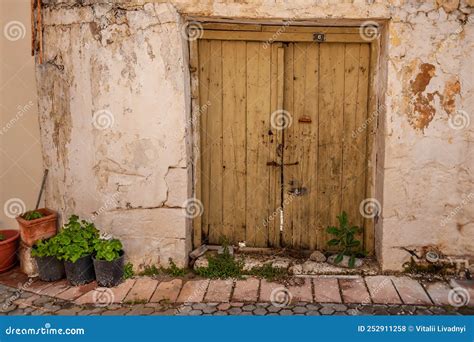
[{"x": 344, "y": 239}]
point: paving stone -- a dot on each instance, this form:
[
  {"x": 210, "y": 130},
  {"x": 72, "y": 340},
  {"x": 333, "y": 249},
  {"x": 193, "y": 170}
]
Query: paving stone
[
  {"x": 199, "y": 306},
  {"x": 286, "y": 312},
  {"x": 312, "y": 306},
  {"x": 142, "y": 290},
  {"x": 118, "y": 312},
  {"x": 354, "y": 291},
  {"x": 249, "y": 307},
  {"x": 280, "y": 293},
  {"x": 103, "y": 296},
  {"x": 42, "y": 300},
  {"x": 26, "y": 302},
  {"x": 246, "y": 290},
  {"x": 237, "y": 304},
  {"x": 39, "y": 286},
  {"x": 234, "y": 311},
  {"x": 273, "y": 308},
  {"x": 193, "y": 291},
  {"x": 140, "y": 310},
  {"x": 15, "y": 278},
  {"x": 326, "y": 310},
  {"x": 195, "y": 313},
  {"x": 260, "y": 311},
  {"x": 75, "y": 292},
  {"x": 326, "y": 290},
  {"x": 300, "y": 309},
  {"x": 382, "y": 290},
  {"x": 223, "y": 306},
  {"x": 312, "y": 313},
  {"x": 209, "y": 310},
  {"x": 219, "y": 291},
  {"x": 439, "y": 292},
  {"x": 56, "y": 288},
  {"x": 411, "y": 291},
  {"x": 167, "y": 291},
  {"x": 303, "y": 293},
  {"x": 68, "y": 312}
]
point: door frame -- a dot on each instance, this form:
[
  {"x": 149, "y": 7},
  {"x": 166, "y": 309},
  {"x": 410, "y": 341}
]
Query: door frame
[{"x": 298, "y": 31}]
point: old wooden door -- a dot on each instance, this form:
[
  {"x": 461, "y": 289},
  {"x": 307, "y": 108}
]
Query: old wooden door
[{"x": 282, "y": 149}]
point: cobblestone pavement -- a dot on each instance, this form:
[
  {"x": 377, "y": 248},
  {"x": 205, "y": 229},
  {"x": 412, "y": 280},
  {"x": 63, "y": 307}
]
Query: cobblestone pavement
[{"x": 17, "y": 302}]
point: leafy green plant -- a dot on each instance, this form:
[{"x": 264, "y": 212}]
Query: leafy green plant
[
  {"x": 45, "y": 248},
  {"x": 32, "y": 215},
  {"x": 173, "y": 270},
  {"x": 128, "y": 271},
  {"x": 269, "y": 272},
  {"x": 76, "y": 239},
  {"x": 345, "y": 240},
  {"x": 222, "y": 266},
  {"x": 108, "y": 250}
]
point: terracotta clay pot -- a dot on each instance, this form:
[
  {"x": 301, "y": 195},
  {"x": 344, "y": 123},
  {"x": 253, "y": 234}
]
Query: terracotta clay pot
[
  {"x": 8, "y": 249},
  {"x": 39, "y": 229}
]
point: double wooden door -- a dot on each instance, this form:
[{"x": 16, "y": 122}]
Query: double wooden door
[{"x": 283, "y": 135}]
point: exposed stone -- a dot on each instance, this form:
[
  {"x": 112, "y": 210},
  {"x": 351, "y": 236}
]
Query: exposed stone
[
  {"x": 201, "y": 262},
  {"x": 448, "y": 5},
  {"x": 317, "y": 256},
  {"x": 345, "y": 261}
]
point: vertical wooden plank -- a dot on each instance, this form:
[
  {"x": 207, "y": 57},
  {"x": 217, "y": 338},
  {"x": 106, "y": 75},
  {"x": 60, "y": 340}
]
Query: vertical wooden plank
[
  {"x": 275, "y": 136},
  {"x": 258, "y": 125},
  {"x": 288, "y": 148},
  {"x": 195, "y": 126},
  {"x": 372, "y": 53},
  {"x": 234, "y": 139},
  {"x": 353, "y": 151},
  {"x": 331, "y": 91},
  {"x": 204, "y": 97},
  {"x": 214, "y": 143}
]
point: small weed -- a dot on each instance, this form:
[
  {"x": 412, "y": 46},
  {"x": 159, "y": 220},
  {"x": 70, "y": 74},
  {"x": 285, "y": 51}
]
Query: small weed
[
  {"x": 269, "y": 272},
  {"x": 128, "y": 271},
  {"x": 173, "y": 270},
  {"x": 32, "y": 215},
  {"x": 150, "y": 271},
  {"x": 222, "y": 266}
]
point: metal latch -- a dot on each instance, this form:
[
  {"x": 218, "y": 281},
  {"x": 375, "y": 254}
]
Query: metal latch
[{"x": 319, "y": 37}]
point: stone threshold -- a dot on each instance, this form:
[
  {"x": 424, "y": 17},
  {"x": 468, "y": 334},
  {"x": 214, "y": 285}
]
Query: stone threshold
[{"x": 378, "y": 289}]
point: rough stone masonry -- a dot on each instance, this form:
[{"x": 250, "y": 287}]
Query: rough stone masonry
[{"x": 115, "y": 103}]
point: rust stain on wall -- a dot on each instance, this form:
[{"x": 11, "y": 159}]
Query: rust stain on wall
[
  {"x": 451, "y": 89},
  {"x": 423, "y": 109}
]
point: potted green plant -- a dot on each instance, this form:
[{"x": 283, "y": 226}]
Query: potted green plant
[
  {"x": 9, "y": 240},
  {"x": 37, "y": 225},
  {"x": 46, "y": 253},
  {"x": 76, "y": 241},
  {"x": 108, "y": 262}
]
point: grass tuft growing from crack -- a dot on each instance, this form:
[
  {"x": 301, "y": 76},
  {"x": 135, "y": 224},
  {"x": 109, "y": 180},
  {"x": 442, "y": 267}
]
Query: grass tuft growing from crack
[
  {"x": 269, "y": 272},
  {"x": 222, "y": 266}
]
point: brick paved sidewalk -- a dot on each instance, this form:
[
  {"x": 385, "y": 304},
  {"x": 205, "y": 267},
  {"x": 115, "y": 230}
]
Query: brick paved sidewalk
[{"x": 352, "y": 292}]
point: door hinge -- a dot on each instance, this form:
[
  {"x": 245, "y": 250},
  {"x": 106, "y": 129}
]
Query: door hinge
[{"x": 319, "y": 37}]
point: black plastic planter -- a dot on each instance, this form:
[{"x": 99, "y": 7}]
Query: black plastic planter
[
  {"x": 80, "y": 272},
  {"x": 109, "y": 273},
  {"x": 50, "y": 268}
]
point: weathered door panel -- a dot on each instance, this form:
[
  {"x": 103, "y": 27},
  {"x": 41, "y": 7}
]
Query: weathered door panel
[{"x": 325, "y": 159}]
